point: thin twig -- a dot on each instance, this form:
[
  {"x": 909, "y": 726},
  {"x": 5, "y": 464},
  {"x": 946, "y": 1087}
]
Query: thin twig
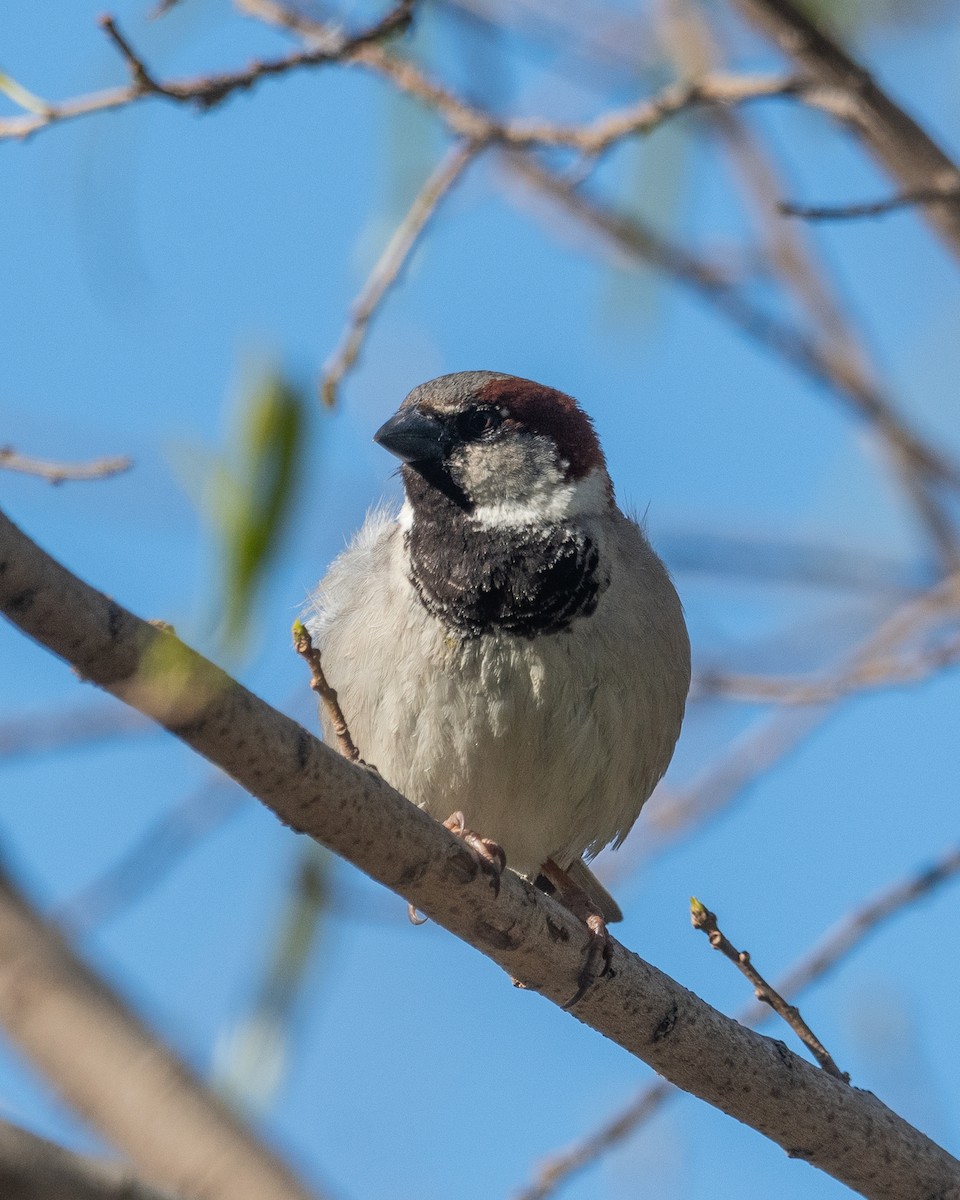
[
  {"x": 303, "y": 644},
  {"x": 702, "y": 918},
  {"x": 143, "y": 81},
  {"x": 54, "y": 472},
  {"x": 630, "y": 236},
  {"x": 672, "y": 815},
  {"x": 84, "y": 724},
  {"x": 848, "y": 92},
  {"x": 362, "y": 49},
  {"x": 466, "y": 120},
  {"x": 794, "y": 258},
  {"x": 390, "y": 263},
  {"x": 832, "y": 948},
  {"x": 205, "y": 91},
  {"x": 871, "y": 208},
  {"x": 891, "y": 671}
]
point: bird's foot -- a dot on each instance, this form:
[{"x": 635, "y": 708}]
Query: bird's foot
[
  {"x": 490, "y": 855},
  {"x": 596, "y": 960}
]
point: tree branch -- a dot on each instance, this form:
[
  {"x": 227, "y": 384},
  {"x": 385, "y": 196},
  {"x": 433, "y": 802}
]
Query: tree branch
[
  {"x": 847, "y": 91},
  {"x": 882, "y": 672},
  {"x": 630, "y": 236},
  {"x": 55, "y": 472},
  {"x": 391, "y": 262},
  {"x": 205, "y": 91},
  {"x": 33, "y": 1168},
  {"x": 825, "y": 955},
  {"x": 85, "y": 724},
  {"x": 118, "y": 1076},
  {"x": 702, "y": 918},
  {"x": 871, "y": 208},
  {"x": 845, "y": 1132}
]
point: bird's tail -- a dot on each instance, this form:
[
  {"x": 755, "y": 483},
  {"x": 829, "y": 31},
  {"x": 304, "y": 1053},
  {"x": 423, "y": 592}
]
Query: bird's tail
[{"x": 596, "y": 893}]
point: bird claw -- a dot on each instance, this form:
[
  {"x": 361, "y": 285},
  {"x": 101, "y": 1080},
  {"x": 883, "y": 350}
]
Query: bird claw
[
  {"x": 414, "y": 917},
  {"x": 596, "y": 960},
  {"x": 490, "y": 856},
  {"x": 599, "y": 952}
]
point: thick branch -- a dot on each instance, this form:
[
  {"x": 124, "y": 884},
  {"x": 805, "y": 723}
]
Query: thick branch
[
  {"x": 32, "y": 1168},
  {"x": 848, "y": 91},
  {"x": 118, "y": 1076},
  {"x": 845, "y": 1132}
]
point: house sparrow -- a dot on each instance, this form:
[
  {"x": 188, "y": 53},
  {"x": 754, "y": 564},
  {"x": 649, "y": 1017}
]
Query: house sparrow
[{"x": 509, "y": 646}]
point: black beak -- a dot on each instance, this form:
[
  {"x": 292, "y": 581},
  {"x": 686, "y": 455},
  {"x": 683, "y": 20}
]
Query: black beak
[{"x": 414, "y": 436}]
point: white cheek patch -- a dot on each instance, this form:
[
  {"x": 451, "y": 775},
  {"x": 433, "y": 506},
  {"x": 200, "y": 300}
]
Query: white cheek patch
[{"x": 549, "y": 500}]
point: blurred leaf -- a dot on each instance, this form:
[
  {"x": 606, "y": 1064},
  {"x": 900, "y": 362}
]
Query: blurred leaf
[
  {"x": 170, "y": 680},
  {"x": 252, "y": 1057},
  {"x": 251, "y": 500}
]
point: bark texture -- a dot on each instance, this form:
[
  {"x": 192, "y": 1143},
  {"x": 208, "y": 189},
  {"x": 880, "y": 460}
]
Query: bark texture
[{"x": 842, "y": 1130}]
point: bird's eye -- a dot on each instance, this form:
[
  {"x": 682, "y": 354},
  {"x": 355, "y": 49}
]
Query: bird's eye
[{"x": 478, "y": 423}]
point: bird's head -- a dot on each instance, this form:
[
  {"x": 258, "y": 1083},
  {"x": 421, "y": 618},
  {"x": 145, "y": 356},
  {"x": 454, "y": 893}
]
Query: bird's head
[{"x": 505, "y": 451}]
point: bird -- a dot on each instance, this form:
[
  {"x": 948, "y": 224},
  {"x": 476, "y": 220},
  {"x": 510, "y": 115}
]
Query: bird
[{"x": 508, "y": 648}]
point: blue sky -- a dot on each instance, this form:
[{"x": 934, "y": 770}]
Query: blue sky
[{"x": 153, "y": 261}]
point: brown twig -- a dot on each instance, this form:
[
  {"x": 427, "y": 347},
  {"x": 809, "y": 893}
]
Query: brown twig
[
  {"x": 41, "y": 732},
  {"x": 832, "y": 948},
  {"x": 363, "y": 49},
  {"x": 303, "y": 644},
  {"x": 143, "y": 81},
  {"x": 885, "y": 672},
  {"x": 702, "y": 918},
  {"x": 53, "y": 472},
  {"x": 390, "y": 263},
  {"x": 848, "y": 92},
  {"x": 465, "y": 120},
  {"x": 205, "y": 91},
  {"x": 629, "y": 235},
  {"x": 793, "y": 257},
  {"x": 871, "y": 208}
]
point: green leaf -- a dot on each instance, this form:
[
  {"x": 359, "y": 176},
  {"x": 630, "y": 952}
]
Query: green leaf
[{"x": 252, "y": 499}]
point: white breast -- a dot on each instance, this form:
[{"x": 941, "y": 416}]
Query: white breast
[{"x": 549, "y": 745}]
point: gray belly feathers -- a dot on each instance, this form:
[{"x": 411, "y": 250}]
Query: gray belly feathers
[{"x": 550, "y": 731}]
